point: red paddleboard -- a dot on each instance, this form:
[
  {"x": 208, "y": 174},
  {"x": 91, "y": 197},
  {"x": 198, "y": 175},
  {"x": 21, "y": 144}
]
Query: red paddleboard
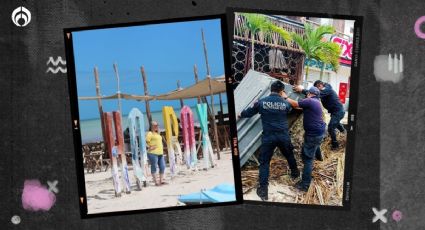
[
  {"x": 110, "y": 143},
  {"x": 120, "y": 140}
]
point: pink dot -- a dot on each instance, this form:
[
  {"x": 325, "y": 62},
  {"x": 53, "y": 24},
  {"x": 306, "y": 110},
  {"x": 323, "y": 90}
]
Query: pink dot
[
  {"x": 418, "y": 24},
  {"x": 397, "y": 215},
  {"x": 37, "y": 197}
]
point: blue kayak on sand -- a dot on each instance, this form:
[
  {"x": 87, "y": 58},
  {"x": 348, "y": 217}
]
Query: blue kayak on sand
[{"x": 218, "y": 194}]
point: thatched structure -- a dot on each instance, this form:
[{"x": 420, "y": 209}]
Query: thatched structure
[{"x": 268, "y": 48}]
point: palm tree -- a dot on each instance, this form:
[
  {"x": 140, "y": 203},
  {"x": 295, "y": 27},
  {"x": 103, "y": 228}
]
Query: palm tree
[
  {"x": 329, "y": 54},
  {"x": 285, "y": 35},
  {"x": 315, "y": 48},
  {"x": 256, "y": 23}
]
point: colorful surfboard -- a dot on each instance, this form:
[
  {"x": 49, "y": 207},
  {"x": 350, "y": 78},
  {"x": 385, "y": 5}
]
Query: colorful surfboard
[
  {"x": 136, "y": 127},
  {"x": 171, "y": 135},
  {"x": 120, "y": 140},
  {"x": 113, "y": 155},
  {"x": 201, "y": 110},
  {"x": 188, "y": 131}
]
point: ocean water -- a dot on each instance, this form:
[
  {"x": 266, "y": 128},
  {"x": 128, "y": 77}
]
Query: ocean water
[{"x": 91, "y": 130}]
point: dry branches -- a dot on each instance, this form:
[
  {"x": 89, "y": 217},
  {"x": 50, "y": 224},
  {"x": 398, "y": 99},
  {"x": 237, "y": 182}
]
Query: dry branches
[{"x": 328, "y": 175}]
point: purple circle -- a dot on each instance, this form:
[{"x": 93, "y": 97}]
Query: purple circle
[
  {"x": 397, "y": 215},
  {"x": 418, "y": 24}
]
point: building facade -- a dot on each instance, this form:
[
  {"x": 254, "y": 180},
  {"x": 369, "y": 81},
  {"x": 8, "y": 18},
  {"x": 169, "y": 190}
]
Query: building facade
[{"x": 277, "y": 58}]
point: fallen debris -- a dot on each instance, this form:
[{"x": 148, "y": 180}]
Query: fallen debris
[{"x": 328, "y": 175}]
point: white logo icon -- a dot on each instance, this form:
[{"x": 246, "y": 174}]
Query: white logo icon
[
  {"x": 395, "y": 64},
  {"x": 21, "y": 16},
  {"x": 52, "y": 186},
  {"x": 56, "y": 63},
  {"x": 389, "y": 67},
  {"x": 379, "y": 215},
  {"x": 16, "y": 219}
]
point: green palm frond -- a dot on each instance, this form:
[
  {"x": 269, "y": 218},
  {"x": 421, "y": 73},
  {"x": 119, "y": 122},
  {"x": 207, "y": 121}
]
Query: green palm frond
[
  {"x": 285, "y": 35},
  {"x": 313, "y": 46},
  {"x": 329, "y": 53},
  {"x": 320, "y": 31},
  {"x": 299, "y": 40},
  {"x": 256, "y": 22}
]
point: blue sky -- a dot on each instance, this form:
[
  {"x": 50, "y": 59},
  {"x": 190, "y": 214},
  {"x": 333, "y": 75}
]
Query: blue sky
[{"x": 167, "y": 51}]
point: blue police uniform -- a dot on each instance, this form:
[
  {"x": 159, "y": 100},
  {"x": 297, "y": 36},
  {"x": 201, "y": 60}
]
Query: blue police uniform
[
  {"x": 314, "y": 127},
  {"x": 332, "y": 104},
  {"x": 273, "y": 110}
]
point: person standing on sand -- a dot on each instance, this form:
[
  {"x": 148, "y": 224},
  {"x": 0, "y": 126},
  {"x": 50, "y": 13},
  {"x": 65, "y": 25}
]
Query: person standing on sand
[
  {"x": 273, "y": 110},
  {"x": 314, "y": 128},
  {"x": 156, "y": 153}
]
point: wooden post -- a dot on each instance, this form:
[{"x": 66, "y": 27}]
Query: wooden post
[
  {"x": 212, "y": 96},
  {"x": 118, "y": 88},
  {"x": 221, "y": 102},
  {"x": 300, "y": 72},
  {"x": 99, "y": 105},
  {"x": 201, "y": 99},
  {"x": 179, "y": 88},
  {"x": 145, "y": 86},
  {"x": 224, "y": 127},
  {"x": 205, "y": 53},
  {"x": 195, "y": 71},
  {"x": 217, "y": 144},
  {"x": 110, "y": 143}
]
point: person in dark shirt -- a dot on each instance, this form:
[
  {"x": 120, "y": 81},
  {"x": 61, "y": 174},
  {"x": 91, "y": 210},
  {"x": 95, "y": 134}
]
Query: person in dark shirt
[
  {"x": 314, "y": 128},
  {"x": 273, "y": 110},
  {"x": 333, "y": 105}
]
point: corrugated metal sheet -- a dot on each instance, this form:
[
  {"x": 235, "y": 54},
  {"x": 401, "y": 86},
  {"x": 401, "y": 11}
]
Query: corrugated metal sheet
[{"x": 255, "y": 85}]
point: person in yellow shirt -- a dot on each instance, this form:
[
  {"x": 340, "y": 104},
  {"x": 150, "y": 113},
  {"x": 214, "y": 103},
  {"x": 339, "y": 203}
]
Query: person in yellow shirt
[{"x": 156, "y": 153}]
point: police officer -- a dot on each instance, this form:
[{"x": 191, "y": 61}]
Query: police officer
[
  {"x": 273, "y": 110},
  {"x": 314, "y": 128},
  {"x": 334, "y": 106}
]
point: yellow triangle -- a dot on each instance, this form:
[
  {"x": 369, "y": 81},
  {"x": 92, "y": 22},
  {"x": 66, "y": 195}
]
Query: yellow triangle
[
  {"x": 82, "y": 199},
  {"x": 68, "y": 34}
]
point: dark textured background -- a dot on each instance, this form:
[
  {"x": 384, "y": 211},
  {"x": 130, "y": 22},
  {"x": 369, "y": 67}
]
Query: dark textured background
[
  {"x": 36, "y": 133},
  {"x": 402, "y": 122}
]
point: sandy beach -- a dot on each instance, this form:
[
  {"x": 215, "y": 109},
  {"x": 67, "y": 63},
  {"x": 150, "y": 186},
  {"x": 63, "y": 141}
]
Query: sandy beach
[{"x": 101, "y": 197}]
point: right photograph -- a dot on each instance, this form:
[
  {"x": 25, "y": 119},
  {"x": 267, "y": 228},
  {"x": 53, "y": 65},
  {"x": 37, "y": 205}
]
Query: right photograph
[{"x": 294, "y": 85}]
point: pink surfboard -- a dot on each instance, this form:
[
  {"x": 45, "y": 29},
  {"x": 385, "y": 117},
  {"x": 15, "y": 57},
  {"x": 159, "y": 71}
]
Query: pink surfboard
[{"x": 188, "y": 132}]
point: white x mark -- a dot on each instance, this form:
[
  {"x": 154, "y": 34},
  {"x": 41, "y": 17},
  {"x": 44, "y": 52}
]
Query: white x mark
[
  {"x": 52, "y": 186},
  {"x": 379, "y": 215}
]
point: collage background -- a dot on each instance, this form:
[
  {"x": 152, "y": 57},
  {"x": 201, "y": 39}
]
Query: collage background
[{"x": 36, "y": 131}]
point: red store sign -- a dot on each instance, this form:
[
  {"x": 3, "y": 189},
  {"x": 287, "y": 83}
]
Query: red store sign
[
  {"x": 343, "y": 87},
  {"x": 346, "y": 49}
]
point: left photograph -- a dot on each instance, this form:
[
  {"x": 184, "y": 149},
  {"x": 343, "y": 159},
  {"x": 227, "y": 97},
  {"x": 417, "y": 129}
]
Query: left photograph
[{"x": 150, "y": 116}]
